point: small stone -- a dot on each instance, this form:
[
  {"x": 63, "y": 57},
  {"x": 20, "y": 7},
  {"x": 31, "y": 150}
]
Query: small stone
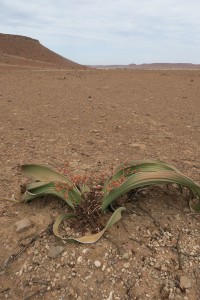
[
  {"x": 166, "y": 289},
  {"x": 80, "y": 259},
  {"x": 95, "y": 131},
  {"x": 100, "y": 278},
  {"x": 171, "y": 296},
  {"x": 97, "y": 264},
  {"x": 108, "y": 270},
  {"x": 126, "y": 256},
  {"x": 51, "y": 140},
  {"x": 138, "y": 146},
  {"x": 185, "y": 282},
  {"x": 177, "y": 217},
  {"x": 23, "y": 224},
  {"x": 110, "y": 295},
  {"x": 104, "y": 267},
  {"x": 178, "y": 297},
  {"x": 55, "y": 251},
  {"x": 101, "y": 141},
  {"x": 156, "y": 232},
  {"x": 165, "y": 292},
  {"x": 84, "y": 251},
  {"x": 163, "y": 268},
  {"x": 126, "y": 265}
]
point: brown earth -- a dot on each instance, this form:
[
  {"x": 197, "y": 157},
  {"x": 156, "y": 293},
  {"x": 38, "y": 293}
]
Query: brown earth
[{"x": 96, "y": 119}]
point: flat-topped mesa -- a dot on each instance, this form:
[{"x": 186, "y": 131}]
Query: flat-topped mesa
[
  {"x": 25, "y": 51},
  {"x": 16, "y": 36}
]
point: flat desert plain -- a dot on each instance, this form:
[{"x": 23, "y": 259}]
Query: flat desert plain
[{"x": 94, "y": 120}]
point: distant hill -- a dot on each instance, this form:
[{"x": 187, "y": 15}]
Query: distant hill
[
  {"x": 17, "y": 50},
  {"x": 153, "y": 66},
  {"x": 160, "y": 66}
]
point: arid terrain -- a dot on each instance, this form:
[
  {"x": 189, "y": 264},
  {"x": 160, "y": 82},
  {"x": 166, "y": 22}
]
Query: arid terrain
[{"x": 95, "y": 120}]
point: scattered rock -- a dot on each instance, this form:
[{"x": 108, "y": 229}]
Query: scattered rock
[
  {"x": 163, "y": 267},
  {"x": 110, "y": 296},
  {"x": 165, "y": 292},
  {"x": 84, "y": 251},
  {"x": 23, "y": 224},
  {"x": 95, "y": 130},
  {"x": 104, "y": 267},
  {"x": 51, "y": 140},
  {"x": 126, "y": 265},
  {"x": 97, "y": 264},
  {"x": 101, "y": 141},
  {"x": 55, "y": 251},
  {"x": 185, "y": 282},
  {"x": 80, "y": 259},
  {"x": 138, "y": 146},
  {"x": 177, "y": 217},
  {"x": 100, "y": 278},
  {"x": 126, "y": 256}
]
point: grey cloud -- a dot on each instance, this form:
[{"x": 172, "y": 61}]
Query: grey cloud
[{"x": 120, "y": 23}]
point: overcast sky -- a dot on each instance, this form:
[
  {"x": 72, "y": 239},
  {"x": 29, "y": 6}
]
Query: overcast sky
[{"x": 109, "y": 31}]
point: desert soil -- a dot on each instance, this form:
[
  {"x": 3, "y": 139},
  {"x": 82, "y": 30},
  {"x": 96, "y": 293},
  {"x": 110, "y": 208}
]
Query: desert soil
[{"x": 96, "y": 119}]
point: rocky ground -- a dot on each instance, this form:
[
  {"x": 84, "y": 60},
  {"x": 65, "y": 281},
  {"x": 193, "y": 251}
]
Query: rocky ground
[{"x": 96, "y": 119}]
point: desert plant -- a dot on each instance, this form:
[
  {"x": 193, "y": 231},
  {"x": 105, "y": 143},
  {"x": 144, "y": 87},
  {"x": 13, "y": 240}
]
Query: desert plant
[{"x": 92, "y": 201}]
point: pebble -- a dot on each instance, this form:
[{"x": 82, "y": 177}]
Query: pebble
[
  {"x": 104, "y": 267},
  {"x": 126, "y": 256},
  {"x": 139, "y": 146},
  {"x": 126, "y": 265},
  {"x": 23, "y": 224},
  {"x": 97, "y": 264},
  {"x": 84, "y": 251},
  {"x": 185, "y": 282},
  {"x": 80, "y": 259},
  {"x": 55, "y": 251},
  {"x": 100, "y": 278},
  {"x": 110, "y": 296},
  {"x": 163, "y": 268}
]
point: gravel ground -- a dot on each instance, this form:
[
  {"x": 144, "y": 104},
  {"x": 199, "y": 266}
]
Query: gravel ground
[{"x": 96, "y": 119}]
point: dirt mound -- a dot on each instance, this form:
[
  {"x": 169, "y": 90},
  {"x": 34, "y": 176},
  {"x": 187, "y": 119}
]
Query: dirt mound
[{"x": 25, "y": 51}]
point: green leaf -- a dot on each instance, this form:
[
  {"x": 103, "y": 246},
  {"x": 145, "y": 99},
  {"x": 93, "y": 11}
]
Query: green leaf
[
  {"x": 28, "y": 196},
  {"x": 43, "y": 173},
  {"x": 46, "y": 184},
  {"x": 34, "y": 185},
  {"x": 128, "y": 169},
  {"x": 87, "y": 239},
  {"x": 147, "y": 165},
  {"x": 36, "y": 190},
  {"x": 84, "y": 188},
  {"x": 143, "y": 179}
]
